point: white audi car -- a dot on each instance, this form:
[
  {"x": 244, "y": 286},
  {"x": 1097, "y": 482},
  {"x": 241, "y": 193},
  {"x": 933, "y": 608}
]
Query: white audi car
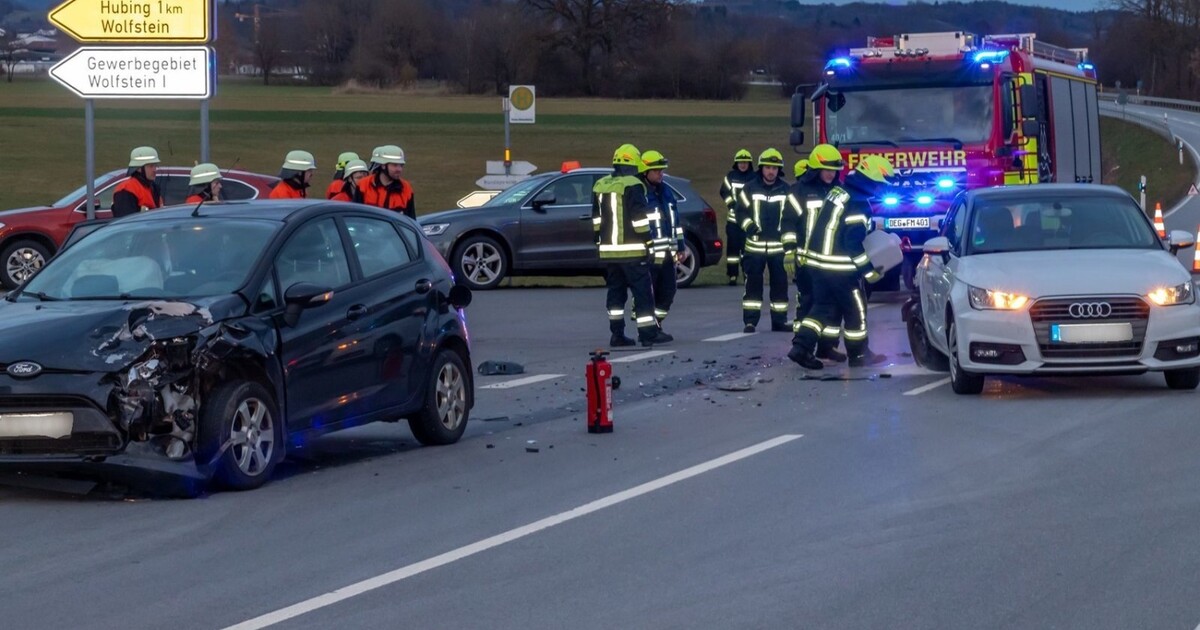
[{"x": 1054, "y": 279}]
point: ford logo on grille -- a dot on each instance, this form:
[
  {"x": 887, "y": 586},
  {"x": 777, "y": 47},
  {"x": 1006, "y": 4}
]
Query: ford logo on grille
[
  {"x": 1090, "y": 310},
  {"x": 24, "y": 369}
]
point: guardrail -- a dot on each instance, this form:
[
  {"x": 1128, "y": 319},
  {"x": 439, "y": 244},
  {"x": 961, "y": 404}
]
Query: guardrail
[
  {"x": 1150, "y": 101},
  {"x": 1159, "y": 127}
]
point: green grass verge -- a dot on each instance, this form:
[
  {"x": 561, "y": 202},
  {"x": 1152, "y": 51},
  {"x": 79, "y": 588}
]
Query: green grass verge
[{"x": 1129, "y": 151}]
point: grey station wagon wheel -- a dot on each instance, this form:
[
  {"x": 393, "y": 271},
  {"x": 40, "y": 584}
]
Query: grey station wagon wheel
[
  {"x": 239, "y": 422},
  {"x": 447, "y": 402},
  {"x": 687, "y": 271},
  {"x": 480, "y": 262},
  {"x": 21, "y": 260}
]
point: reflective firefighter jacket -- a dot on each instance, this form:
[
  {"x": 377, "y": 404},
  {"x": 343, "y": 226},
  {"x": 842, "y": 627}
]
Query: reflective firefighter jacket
[
  {"x": 808, "y": 196},
  {"x": 836, "y": 233},
  {"x": 768, "y": 216},
  {"x": 666, "y": 234},
  {"x": 733, "y": 184},
  {"x": 134, "y": 195},
  {"x": 619, "y": 218},
  {"x": 396, "y": 196}
]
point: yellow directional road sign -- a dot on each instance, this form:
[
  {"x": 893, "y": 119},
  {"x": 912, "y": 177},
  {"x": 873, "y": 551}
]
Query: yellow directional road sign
[{"x": 136, "y": 21}]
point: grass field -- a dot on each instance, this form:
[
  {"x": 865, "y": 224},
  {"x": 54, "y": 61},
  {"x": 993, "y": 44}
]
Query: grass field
[
  {"x": 446, "y": 138},
  {"x": 1129, "y": 151}
]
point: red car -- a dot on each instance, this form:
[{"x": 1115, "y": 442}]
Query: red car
[{"x": 30, "y": 236}]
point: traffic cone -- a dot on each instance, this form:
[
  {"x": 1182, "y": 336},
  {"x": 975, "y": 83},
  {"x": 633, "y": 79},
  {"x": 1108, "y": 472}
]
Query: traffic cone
[
  {"x": 1159, "y": 226},
  {"x": 1196, "y": 257}
]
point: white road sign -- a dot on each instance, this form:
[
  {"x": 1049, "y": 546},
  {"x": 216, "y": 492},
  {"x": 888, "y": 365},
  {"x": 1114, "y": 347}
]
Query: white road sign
[
  {"x": 499, "y": 182},
  {"x": 496, "y": 167},
  {"x": 477, "y": 198},
  {"x": 180, "y": 72}
]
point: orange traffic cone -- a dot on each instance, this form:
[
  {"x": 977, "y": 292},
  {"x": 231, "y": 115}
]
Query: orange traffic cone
[
  {"x": 1159, "y": 226},
  {"x": 1196, "y": 258}
]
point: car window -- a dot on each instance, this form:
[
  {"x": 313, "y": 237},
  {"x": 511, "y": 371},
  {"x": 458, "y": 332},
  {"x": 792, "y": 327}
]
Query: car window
[
  {"x": 233, "y": 190},
  {"x": 413, "y": 241},
  {"x": 515, "y": 194},
  {"x": 377, "y": 244},
  {"x": 103, "y": 196},
  {"x": 679, "y": 196},
  {"x": 953, "y": 229},
  {"x": 314, "y": 254},
  {"x": 174, "y": 188},
  {"x": 1033, "y": 224},
  {"x": 267, "y": 298},
  {"x": 573, "y": 190}
]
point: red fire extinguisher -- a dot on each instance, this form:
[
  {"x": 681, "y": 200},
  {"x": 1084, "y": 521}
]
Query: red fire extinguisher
[{"x": 599, "y": 393}]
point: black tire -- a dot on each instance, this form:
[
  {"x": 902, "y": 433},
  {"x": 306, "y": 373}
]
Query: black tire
[
  {"x": 21, "y": 259},
  {"x": 229, "y": 406},
  {"x": 1185, "y": 379},
  {"x": 923, "y": 352},
  {"x": 963, "y": 382},
  {"x": 480, "y": 263},
  {"x": 444, "y": 417},
  {"x": 687, "y": 272}
]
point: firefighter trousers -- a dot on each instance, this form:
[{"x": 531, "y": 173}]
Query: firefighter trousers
[
  {"x": 623, "y": 278},
  {"x": 663, "y": 285},
  {"x": 752, "y": 301},
  {"x": 838, "y": 297},
  {"x": 805, "y": 300},
  {"x": 735, "y": 244}
]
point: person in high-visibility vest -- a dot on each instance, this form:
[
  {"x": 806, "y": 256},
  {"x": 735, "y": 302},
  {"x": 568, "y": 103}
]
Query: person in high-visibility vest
[
  {"x": 339, "y": 174},
  {"x": 766, "y": 215},
  {"x": 666, "y": 234},
  {"x": 295, "y": 176},
  {"x": 735, "y": 240},
  {"x": 839, "y": 263},
  {"x": 622, "y": 229},
  {"x": 139, "y": 192},
  {"x": 815, "y": 178},
  {"x": 352, "y": 173},
  {"x": 204, "y": 185},
  {"x": 385, "y": 187}
]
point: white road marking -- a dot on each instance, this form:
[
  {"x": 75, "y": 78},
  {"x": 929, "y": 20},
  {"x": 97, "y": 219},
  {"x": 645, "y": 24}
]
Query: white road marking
[
  {"x": 927, "y": 388},
  {"x": 730, "y": 337},
  {"x": 528, "y": 380},
  {"x": 641, "y": 356},
  {"x": 391, "y": 577},
  {"x": 909, "y": 369}
]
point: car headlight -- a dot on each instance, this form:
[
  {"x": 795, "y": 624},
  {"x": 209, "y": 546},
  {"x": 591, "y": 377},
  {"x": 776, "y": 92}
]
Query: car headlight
[
  {"x": 434, "y": 229},
  {"x": 1170, "y": 296},
  {"x": 984, "y": 299}
]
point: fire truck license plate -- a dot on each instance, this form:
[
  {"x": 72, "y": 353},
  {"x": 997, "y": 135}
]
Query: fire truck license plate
[{"x": 908, "y": 223}]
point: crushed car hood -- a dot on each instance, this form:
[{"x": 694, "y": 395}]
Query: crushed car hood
[{"x": 100, "y": 336}]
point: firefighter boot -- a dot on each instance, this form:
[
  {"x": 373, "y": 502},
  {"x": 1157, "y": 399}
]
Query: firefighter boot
[
  {"x": 657, "y": 337},
  {"x": 830, "y": 353},
  {"x": 867, "y": 358},
  {"x": 804, "y": 358}
]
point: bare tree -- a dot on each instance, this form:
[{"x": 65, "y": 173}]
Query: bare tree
[
  {"x": 11, "y": 49},
  {"x": 268, "y": 48}
]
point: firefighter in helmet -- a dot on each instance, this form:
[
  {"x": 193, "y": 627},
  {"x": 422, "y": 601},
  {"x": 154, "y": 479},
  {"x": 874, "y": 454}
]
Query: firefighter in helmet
[
  {"x": 353, "y": 173},
  {"x": 139, "y": 192},
  {"x": 339, "y": 174},
  {"x": 204, "y": 185},
  {"x": 295, "y": 176},
  {"x": 823, "y": 170},
  {"x": 741, "y": 173},
  {"x": 622, "y": 230},
  {"x": 839, "y": 264},
  {"x": 386, "y": 187},
  {"x": 666, "y": 234},
  {"x": 767, "y": 217}
]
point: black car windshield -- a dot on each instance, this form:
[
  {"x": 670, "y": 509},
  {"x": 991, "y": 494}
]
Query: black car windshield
[
  {"x": 515, "y": 194},
  {"x": 910, "y": 114},
  {"x": 1055, "y": 223},
  {"x": 169, "y": 259}
]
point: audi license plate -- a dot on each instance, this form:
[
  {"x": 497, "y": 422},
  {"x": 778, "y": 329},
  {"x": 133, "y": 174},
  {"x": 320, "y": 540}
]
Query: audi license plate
[
  {"x": 907, "y": 223},
  {"x": 51, "y": 425},
  {"x": 1091, "y": 333}
]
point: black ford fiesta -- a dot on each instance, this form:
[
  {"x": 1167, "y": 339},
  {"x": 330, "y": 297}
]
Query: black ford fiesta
[{"x": 205, "y": 342}]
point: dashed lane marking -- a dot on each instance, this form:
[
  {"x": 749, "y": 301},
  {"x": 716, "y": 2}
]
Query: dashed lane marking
[
  {"x": 729, "y": 337},
  {"x": 641, "y": 356},
  {"x": 392, "y": 577},
  {"x": 927, "y": 388},
  {"x": 528, "y": 380}
]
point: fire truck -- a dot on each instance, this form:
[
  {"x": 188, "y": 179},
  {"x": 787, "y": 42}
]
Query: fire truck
[{"x": 955, "y": 111}]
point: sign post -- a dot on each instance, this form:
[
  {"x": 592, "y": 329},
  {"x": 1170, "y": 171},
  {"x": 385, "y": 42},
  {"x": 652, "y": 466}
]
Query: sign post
[
  {"x": 170, "y": 70},
  {"x": 519, "y": 109}
]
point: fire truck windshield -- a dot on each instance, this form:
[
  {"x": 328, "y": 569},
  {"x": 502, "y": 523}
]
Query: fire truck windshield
[{"x": 895, "y": 116}]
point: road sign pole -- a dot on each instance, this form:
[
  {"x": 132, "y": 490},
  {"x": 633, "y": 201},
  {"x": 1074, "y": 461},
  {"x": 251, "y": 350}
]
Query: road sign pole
[
  {"x": 89, "y": 132},
  {"x": 204, "y": 131},
  {"x": 507, "y": 140}
]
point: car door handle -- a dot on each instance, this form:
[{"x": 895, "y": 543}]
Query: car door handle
[
  {"x": 424, "y": 286},
  {"x": 585, "y": 217},
  {"x": 358, "y": 311}
]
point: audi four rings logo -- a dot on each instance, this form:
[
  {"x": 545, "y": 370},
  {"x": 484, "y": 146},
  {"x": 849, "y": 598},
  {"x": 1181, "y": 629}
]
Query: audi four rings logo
[{"x": 1090, "y": 310}]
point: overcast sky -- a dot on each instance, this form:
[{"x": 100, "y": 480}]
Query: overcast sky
[{"x": 1069, "y": 5}]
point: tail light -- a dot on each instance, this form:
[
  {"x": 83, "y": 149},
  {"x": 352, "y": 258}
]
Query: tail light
[{"x": 709, "y": 215}]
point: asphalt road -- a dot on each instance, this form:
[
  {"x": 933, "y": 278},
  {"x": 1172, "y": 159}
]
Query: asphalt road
[{"x": 880, "y": 500}]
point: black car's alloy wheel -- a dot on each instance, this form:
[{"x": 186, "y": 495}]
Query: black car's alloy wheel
[
  {"x": 923, "y": 352},
  {"x": 21, "y": 260},
  {"x": 240, "y": 421},
  {"x": 447, "y": 402},
  {"x": 688, "y": 269},
  {"x": 479, "y": 262}
]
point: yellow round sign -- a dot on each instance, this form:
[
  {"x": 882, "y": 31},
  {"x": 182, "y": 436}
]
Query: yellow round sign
[{"x": 521, "y": 98}]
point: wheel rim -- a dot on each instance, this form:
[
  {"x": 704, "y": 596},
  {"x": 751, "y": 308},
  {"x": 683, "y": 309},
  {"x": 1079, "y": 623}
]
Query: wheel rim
[
  {"x": 482, "y": 263},
  {"x": 252, "y": 435},
  {"x": 451, "y": 397},
  {"x": 685, "y": 268},
  {"x": 23, "y": 263}
]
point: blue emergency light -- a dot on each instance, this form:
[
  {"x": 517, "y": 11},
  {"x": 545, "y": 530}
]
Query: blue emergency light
[
  {"x": 891, "y": 200},
  {"x": 990, "y": 56},
  {"x": 1085, "y": 66},
  {"x": 924, "y": 199},
  {"x": 945, "y": 183},
  {"x": 837, "y": 63}
]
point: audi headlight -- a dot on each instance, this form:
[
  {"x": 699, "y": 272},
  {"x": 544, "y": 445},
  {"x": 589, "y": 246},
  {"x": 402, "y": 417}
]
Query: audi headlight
[
  {"x": 435, "y": 229},
  {"x": 984, "y": 299},
  {"x": 1170, "y": 296}
]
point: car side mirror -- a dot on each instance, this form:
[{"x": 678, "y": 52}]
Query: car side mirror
[
  {"x": 1028, "y": 101},
  {"x": 301, "y": 296},
  {"x": 1179, "y": 239},
  {"x": 938, "y": 246},
  {"x": 799, "y": 109},
  {"x": 543, "y": 199},
  {"x": 796, "y": 139},
  {"x": 1030, "y": 128},
  {"x": 459, "y": 297}
]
